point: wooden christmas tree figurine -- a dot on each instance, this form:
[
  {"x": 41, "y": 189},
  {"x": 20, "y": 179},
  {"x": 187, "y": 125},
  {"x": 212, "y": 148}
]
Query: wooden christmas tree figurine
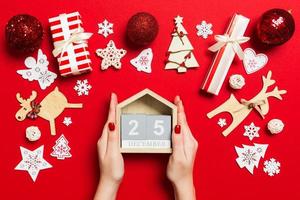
[{"x": 180, "y": 52}]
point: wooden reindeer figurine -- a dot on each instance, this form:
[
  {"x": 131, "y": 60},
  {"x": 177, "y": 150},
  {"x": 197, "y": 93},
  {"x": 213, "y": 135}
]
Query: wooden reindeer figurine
[
  {"x": 50, "y": 107},
  {"x": 240, "y": 110}
]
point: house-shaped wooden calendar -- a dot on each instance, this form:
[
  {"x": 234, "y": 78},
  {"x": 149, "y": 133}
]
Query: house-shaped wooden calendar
[{"x": 145, "y": 122}]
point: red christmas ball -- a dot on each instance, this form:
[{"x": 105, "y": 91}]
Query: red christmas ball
[
  {"x": 23, "y": 33},
  {"x": 142, "y": 28},
  {"x": 275, "y": 27}
]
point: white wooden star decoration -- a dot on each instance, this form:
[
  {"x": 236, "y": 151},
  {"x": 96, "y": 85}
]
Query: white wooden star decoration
[
  {"x": 33, "y": 161},
  {"x": 111, "y": 56}
]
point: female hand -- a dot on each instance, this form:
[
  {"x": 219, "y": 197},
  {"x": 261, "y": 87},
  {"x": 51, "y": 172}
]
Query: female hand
[
  {"x": 181, "y": 162},
  {"x": 110, "y": 158}
]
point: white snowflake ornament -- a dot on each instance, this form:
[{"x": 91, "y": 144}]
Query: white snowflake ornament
[
  {"x": 143, "y": 61},
  {"x": 111, "y": 56},
  {"x": 38, "y": 70},
  {"x": 251, "y": 131},
  {"x": 222, "y": 122},
  {"x": 204, "y": 29},
  {"x": 249, "y": 156},
  {"x": 105, "y": 28},
  {"x": 272, "y": 167},
  {"x": 61, "y": 149},
  {"x": 67, "y": 121},
  {"x": 33, "y": 162},
  {"x": 82, "y": 87}
]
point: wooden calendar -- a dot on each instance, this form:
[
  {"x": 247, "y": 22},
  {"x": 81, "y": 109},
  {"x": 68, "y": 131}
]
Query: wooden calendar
[{"x": 145, "y": 122}]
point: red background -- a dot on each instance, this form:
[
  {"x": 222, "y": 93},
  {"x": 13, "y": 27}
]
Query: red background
[{"x": 216, "y": 173}]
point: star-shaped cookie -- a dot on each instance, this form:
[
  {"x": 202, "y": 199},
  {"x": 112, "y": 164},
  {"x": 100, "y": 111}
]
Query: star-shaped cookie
[
  {"x": 33, "y": 161},
  {"x": 111, "y": 56}
]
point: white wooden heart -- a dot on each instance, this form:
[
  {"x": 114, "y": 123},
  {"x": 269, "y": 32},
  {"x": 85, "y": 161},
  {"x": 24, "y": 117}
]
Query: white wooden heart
[{"x": 252, "y": 61}]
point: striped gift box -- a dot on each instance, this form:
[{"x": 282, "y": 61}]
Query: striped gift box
[
  {"x": 75, "y": 58},
  {"x": 224, "y": 57}
]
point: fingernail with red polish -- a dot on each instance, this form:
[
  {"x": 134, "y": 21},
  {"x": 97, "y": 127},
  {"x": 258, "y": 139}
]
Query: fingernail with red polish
[
  {"x": 177, "y": 129},
  {"x": 111, "y": 126}
]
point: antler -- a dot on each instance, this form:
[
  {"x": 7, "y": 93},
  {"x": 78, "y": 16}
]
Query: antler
[
  {"x": 19, "y": 98},
  {"x": 267, "y": 81},
  {"x": 276, "y": 93},
  {"x": 32, "y": 96}
]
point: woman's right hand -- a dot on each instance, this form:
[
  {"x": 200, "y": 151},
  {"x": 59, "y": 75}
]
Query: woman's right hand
[{"x": 181, "y": 161}]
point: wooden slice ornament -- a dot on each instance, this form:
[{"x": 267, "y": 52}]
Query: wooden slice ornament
[
  {"x": 239, "y": 110},
  {"x": 49, "y": 109}
]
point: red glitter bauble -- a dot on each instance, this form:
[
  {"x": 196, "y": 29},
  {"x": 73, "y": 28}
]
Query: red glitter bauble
[
  {"x": 24, "y": 33},
  {"x": 142, "y": 28},
  {"x": 275, "y": 27}
]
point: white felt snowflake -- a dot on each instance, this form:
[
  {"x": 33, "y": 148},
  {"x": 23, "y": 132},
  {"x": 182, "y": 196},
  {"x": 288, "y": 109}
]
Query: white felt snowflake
[
  {"x": 222, "y": 122},
  {"x": 33, "y": 161},
  {"x": 105, "y": 28},
  {"x": 111, "y": 56},
  {"x": 82, "y": 87},
  {"x": 67, "y": 121},
  {"x": 272, "y": 167},
  {"x": 251, "y": 131},
  {"x": 204, "y": 29}
]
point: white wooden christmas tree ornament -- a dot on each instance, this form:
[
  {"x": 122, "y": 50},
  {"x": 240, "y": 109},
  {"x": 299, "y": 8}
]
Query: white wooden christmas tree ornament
[
  {"x": 249, "y": 156},
  {"x": 180, "y": 52},
  {"x": 61, "y": 149}
]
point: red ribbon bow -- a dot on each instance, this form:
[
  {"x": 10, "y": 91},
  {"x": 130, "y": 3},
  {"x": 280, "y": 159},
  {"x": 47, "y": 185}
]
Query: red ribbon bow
[{"x": 35, "y": 109}]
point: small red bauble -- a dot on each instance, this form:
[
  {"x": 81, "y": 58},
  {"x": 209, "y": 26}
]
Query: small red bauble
[
  {"x": 275, "y": 27},
  {"x": 23, "y": 33},
  {"x": 142, "y": 28}
]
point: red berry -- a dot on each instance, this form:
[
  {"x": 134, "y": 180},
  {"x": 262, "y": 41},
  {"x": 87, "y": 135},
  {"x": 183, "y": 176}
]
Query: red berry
[{"x": 275, "y": 27}]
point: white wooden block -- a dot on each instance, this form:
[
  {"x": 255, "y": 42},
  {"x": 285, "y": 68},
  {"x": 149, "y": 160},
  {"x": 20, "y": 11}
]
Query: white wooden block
[
  {"x": 140, "y": 131},
  {"x": 133, "y": 127},
  {"x": 158, "y": 127}
]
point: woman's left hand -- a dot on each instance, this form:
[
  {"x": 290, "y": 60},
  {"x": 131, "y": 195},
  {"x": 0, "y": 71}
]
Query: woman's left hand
[{"x": 110, "y": 158}]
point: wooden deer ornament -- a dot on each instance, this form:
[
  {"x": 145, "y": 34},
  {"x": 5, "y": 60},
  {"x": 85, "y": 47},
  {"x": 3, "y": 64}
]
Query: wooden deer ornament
[
  {"x": 240, "y": 110},
  {"x": 50, "y": 107}
]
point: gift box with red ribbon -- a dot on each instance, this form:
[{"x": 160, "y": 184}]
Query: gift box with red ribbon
[
  {"x": 226, "y": 47},
  {"x": 70, "y": 44}
]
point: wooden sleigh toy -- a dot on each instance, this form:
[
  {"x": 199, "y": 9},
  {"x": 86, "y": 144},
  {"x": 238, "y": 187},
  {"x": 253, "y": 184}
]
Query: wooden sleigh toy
[{"x": 49, "y": 108}]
